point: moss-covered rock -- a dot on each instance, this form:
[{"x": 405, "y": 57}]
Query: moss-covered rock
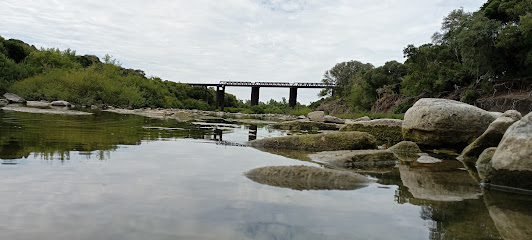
[
  {"x": 490, "y": 138},
  {"x": 320, "y": 142},
  {"x": 483, "y": 164},
  {"x": 385, "y": 130},
  {"x": 356, "y": 158},
  {"x": 305, "y": 125},
  {"x": 307, "y": 178}
]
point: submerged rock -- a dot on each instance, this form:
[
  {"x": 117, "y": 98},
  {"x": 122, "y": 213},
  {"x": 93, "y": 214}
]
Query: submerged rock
[
  {"x": 386, "y": 130},
  {"x": 13, "y": 98},
  {"x": 490, "y": 138},
  {"x": 61, "y": 104},
  {"x": 299, "y": 125},
  {"x": 442, "y": 122},
  {"x": 441, "y": 181},
  {"x": 320, "y": 142},
  {"x": 356, "y": 158},
  {"x": 307, "y": 178},
  {"x": 512, "y": 161},
  {"x": 316, "y": 116}
]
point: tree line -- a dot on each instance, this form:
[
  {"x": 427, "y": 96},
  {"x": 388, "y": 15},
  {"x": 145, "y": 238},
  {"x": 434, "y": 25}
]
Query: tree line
[{"x": 471, "y": 53}]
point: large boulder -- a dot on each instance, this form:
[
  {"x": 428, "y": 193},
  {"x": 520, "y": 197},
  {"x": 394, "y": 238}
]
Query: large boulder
[
  {"x": 490, "y": 138},
  {"x": 316, "y": 116},
  {"x": 385, "y": 130},
  {"x": 307, "y": 178},
  {"x": 320, "y": 142},
  {"x": 442, "y": 122},
  {"x": 13, "y": 98},
  {"x": 512, "y": 161}
]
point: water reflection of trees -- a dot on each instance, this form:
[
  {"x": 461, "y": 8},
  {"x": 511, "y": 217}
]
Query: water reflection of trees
[{"x": 55, "y": 136}]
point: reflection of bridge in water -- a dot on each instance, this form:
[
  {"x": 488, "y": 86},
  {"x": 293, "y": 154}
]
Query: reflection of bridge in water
[
  {"x": 255, "y": 86},
  {"x": 217, "y": 135}
]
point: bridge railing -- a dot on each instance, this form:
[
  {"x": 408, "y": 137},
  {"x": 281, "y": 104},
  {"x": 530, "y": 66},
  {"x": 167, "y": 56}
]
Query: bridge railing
[{"x": 275, "y": 84}]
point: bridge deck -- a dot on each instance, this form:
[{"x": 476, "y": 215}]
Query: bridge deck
[{"x": 264, "y": 84}]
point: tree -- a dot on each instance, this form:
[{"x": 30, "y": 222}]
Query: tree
[{"x": 343, "y": 76}]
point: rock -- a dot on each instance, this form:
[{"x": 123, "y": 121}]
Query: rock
[
  {"x": 307, "y": 178},
  {"x": 302, "y": 117},
  {"x": 316, "y": 116},
  {"x": 356, "y": 158},
  {"x": 483, "y": 164},
  {"x": 3, "y": 102},
  {"x": 441, "y": 181},
  {"x": 490, "y": 138},
  {"x": 41, "y": 104},
  {"x": 405, "y": 146},
  {"x": 332, "y": 119},
  {"x": 385, "y": 130},
  {"x": 365, "y": 118},
  {"x": 442, "y": 122},
  {"x": 320, "y": 142},
  {"x": 61, "y": 104},
  {"x": 13, "y": 98},
  {"x": 512, "y": 161},
  {"x": 298, "y": 125}
]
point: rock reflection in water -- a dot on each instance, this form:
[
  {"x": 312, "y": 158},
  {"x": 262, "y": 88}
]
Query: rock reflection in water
[
  {"x": 442, "y": 181},
  {"x": 512, "y": 214},
  {"x": 266, "y": 231}
]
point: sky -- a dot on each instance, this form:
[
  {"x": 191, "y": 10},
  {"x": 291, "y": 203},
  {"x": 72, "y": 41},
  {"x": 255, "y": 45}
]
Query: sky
[{"x": 207, "y": 41}]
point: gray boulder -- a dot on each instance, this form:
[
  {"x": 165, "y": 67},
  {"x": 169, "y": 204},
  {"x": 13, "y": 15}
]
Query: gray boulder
[
  {"x": 332, "y": 119},
  {"x": 512, "y": 161},
  {"x": 61, "y": 104},
  {"x": 3, "y": 102},
  {"x": 490, "y": 138},
  {"x": 307, "y": 178},
  {"x": 13, "y": 98},
  {"x": 316, "y": 116},
  {"x": 442, "y": 122}
]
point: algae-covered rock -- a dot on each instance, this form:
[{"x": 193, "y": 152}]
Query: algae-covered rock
[
  {"x": 356, "y": 158},
  {"x": 442, "y": 122},
  {"x": 386, "y": 130},
  {"x": 405, "y": 146},
  {"x": 490, "y": 138},
  {"x": 512, "y": 161},
  {"x": 316, "y": 116},
  {"x": 320, "y": 142},
  {"x": 307, "y": 178},
  {"x": 299, "y": 125},
  {"x": 483, "y": 164}
]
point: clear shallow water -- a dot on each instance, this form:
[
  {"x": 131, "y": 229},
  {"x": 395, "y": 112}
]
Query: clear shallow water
[{"x": 113, "y": 176}]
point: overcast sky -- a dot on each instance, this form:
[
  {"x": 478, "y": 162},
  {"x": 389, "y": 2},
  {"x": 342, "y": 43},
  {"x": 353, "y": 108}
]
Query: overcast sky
[{"x": 237, "y": 40}]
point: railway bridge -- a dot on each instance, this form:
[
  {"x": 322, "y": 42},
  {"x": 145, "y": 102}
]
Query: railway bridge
[{"x": 255, "y": 86}]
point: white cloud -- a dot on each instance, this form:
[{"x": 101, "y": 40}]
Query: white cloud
[{"x": 241, "y": 40}]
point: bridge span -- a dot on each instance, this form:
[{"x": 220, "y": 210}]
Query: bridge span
[{"x": 255, "y": 86}]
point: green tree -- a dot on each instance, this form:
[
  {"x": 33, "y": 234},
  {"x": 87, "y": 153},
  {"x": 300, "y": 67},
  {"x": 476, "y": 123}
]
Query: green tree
[{"x": 343, "y": 75}]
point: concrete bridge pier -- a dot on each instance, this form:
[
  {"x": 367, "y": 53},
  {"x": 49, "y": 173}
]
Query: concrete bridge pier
[
  {"x": 220, "y": 95},
  {"x": 254, "y": 96},
  {"x": 292, "y": 101}
]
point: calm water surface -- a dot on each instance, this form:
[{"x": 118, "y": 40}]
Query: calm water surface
[{"x": 111, "y": 176}]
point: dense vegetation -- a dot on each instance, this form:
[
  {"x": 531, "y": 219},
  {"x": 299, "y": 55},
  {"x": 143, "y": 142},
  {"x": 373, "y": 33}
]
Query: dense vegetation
[{"x": 471, "y": 53}]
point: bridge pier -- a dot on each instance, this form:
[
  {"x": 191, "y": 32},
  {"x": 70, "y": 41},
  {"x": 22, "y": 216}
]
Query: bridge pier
[
  {"x": 220, "y": 95},
  {"x": 254, "y": 96},
  {"x": 292, "y": 100}
]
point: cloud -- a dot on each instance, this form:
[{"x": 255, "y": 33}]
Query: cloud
[{"x": 241, "y": 40}]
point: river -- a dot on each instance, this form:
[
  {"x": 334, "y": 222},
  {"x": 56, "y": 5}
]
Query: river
[{"x": 112, "y": 176}]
